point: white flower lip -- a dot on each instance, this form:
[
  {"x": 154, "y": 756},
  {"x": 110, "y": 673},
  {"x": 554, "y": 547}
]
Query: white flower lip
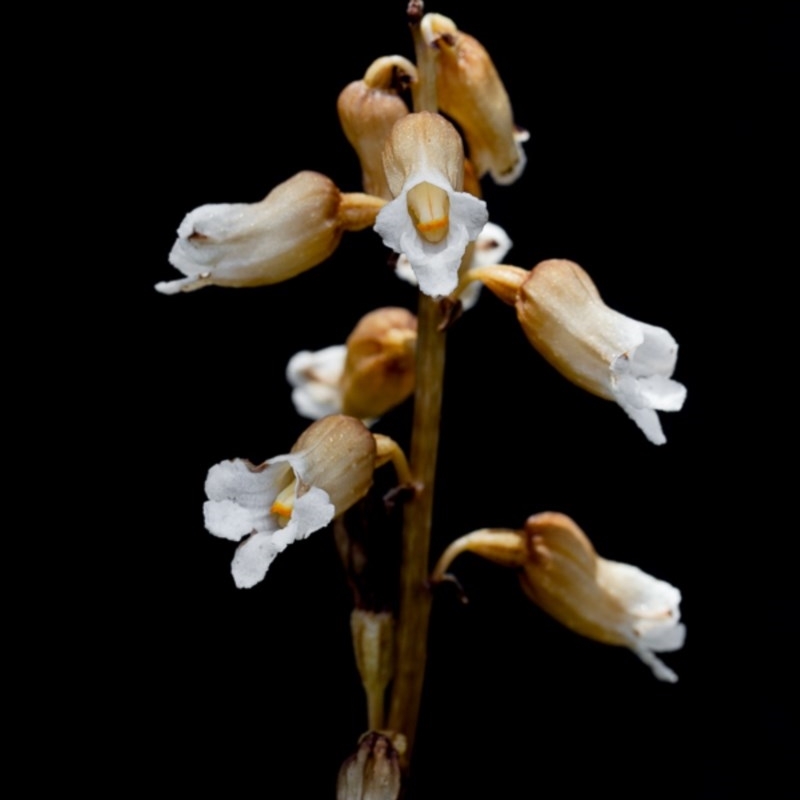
[
  {"x": 287, "y": 498},
  {"x": 491, "y": 247},
  {"x": 435, "y": 265},
  {"x": 241, "y": 496}
]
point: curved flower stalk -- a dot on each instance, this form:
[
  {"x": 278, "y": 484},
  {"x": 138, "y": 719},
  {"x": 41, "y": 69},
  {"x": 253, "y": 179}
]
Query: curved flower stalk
[
  {"x": 491, "y": 247},
  {"x": 471, "y": 92},
  {"x": 430, "y": 220},
  {"x": 595, "y": 347},
  {"x": 368, "y": 110},
  {"x": 560, "y": 571},
  {"x": 295, "y": 227},
  {"x": 289, "y": 497},
  {"x": 369, "y": 375}
]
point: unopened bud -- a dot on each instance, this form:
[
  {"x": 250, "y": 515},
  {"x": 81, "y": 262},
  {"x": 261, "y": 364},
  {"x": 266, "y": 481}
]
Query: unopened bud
[
  {"x": 380, "y": 366},
  {"x": 368, "y": 109},
  {"x": 372, "y": 772},
  {"x": 471, "y": 92},
  {"x": 373, "y": 645}
]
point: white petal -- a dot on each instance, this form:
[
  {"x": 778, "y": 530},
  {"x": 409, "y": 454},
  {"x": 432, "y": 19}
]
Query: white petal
[
  {"x": 435, "y": 265},
  {"x": 204, "y": 236},
  {"x": 183, "y": 285},
  {"x": 247, "y": 486},
  {"x": 491, "y": 246},
  {"x": 315, "y": 377},
  {"x": 660, "y": 669},
  {"x": 656, "y": 602},
  {"x": 312, "y": 511},
  {"x": 252, "y": 559},
  {"x": 229, "y": 520}
]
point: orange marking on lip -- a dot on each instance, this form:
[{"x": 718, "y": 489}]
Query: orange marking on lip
[
  {"x": 433, "y": 225},
  {"x": 281, "y": 509}
]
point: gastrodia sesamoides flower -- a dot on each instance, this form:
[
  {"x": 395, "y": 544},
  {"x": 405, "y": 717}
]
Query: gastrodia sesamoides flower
[
  {"x": 366, "y": 377},
  {"x": 604, "y": 600},
  {"x": 595, "y": 347},
  {"x": 295, "y": 227},
  {"x": 430, "y": 220},
  {"x": 287, "y": 498}
]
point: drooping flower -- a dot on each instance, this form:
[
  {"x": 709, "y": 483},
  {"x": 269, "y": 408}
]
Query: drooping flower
[
  {"x": 430, "y": 220},
  {"x": 295, "y": 227},
  {"x": 364, "y": 378},
  {"x": 560, "y": 571},
  {"x": 471, "y": 92},
  {"x": 595, "y": 347},
  {"x": 289, "y": 497}
]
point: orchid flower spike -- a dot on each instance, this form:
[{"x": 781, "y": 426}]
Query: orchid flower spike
[
  {"x": 430, "y": 220},
  {"x": 289, "y": 497},
  {"x": 470, "y": 92},
  {"x": 595, "y": 347},
  {"x": 366, "y": 377},
  {"x": 560, "y": 571},
  {"x": 295, "y": 227},
  {"x": 368, "y": 109}
]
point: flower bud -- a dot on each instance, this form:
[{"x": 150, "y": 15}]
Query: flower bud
[
  {"x": 372, "y": 772},
  {"x": 365, "y": 378},
  {"x": 560, "y": 571},
  {"x": 379, "y": 371},
  {"x": 295, "y": 227},
  {"x": 595, "y": 347},
  {"x": 368, "y": 109},
  {"x": 430, "y": 220},
  {"x": 373, "y": 645},
  {"x": 470, "y": 92}
]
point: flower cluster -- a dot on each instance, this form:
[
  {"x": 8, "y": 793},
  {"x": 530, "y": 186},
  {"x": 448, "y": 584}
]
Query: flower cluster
[{"x": 422, "y": 196}]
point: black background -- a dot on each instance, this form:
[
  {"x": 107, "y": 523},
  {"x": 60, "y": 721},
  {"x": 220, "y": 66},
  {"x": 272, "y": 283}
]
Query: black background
[{"x": 657, "y": 135}]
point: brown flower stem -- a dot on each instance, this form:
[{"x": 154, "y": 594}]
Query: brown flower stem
[
  {"x": 411, "y": 642},
  {"x": 424, "y": 89}
]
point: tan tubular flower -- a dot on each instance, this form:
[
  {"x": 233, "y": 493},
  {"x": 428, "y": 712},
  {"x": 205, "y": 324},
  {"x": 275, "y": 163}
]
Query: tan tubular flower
[
  {"x": 269, "y": 506},
  {"x": 471, "y": 92},
  {"x": 295, "y": 227},
  {"x": 597, "y": 348},
  {"x": 371, "y": 374},
  {"x": 560, "y": 571},
  {"x": 430, "y": 220},
  {"x": 368, "y": 109}
]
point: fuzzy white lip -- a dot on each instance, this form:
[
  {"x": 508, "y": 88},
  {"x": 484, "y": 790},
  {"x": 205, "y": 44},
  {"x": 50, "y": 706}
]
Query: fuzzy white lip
[
  {"x": 435, "y": 265},
  {"x": 239, "y": 508}
]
